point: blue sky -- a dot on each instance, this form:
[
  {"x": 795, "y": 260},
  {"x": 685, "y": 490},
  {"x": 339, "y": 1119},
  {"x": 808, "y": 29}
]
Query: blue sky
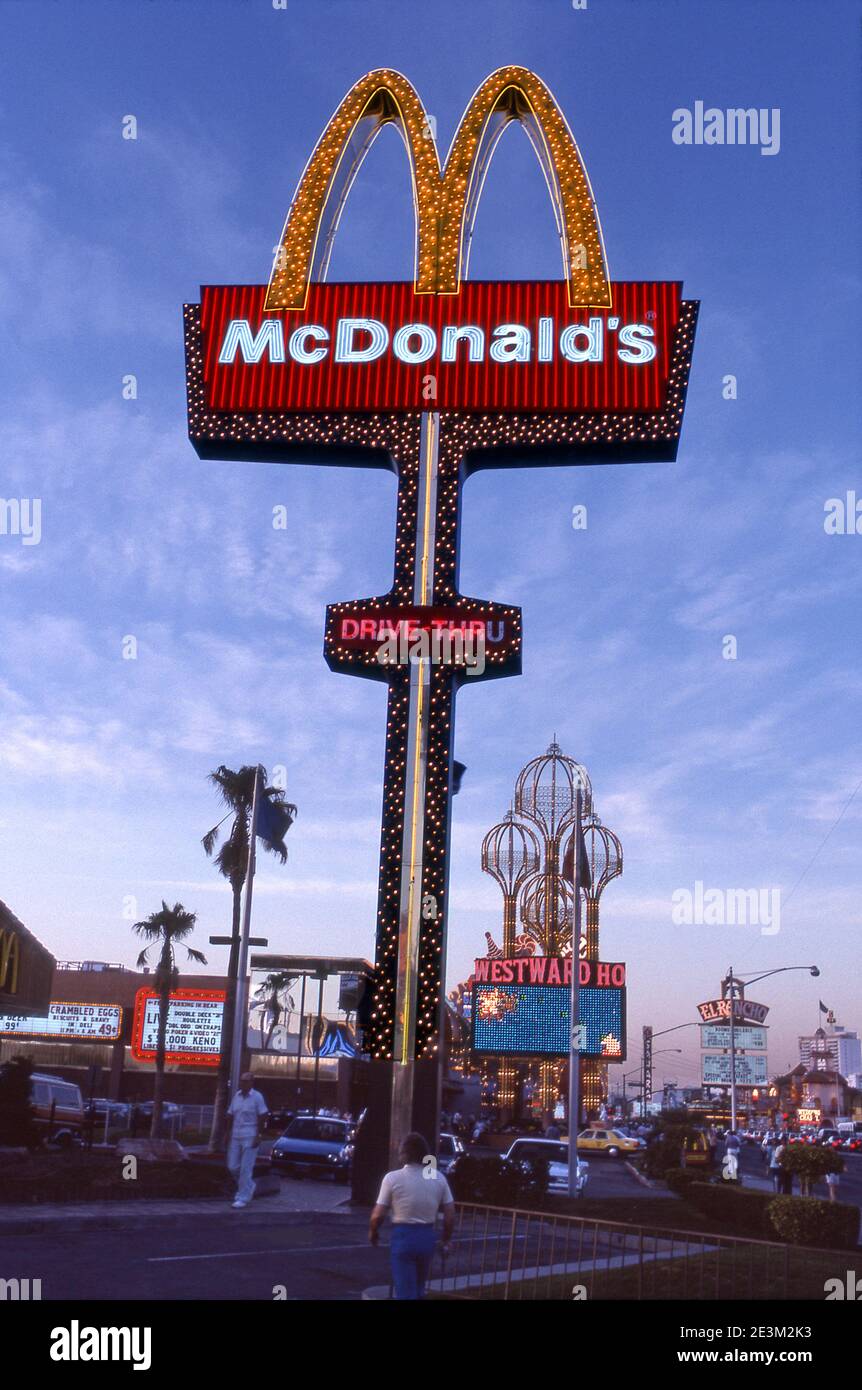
[{"x": 727, "y": 772}]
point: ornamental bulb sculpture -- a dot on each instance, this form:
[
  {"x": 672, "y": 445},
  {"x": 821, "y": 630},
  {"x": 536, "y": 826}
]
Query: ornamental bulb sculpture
[
  {"x": 546, "y": 795},
  {"x": 510, "y": 854},
  {"x": 525, "y": 854}
]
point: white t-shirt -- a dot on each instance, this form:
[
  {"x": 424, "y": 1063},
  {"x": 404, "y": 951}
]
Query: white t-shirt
[
  {"x": 414, "y": 1194},
  {"x": 245, "y": 1110}
]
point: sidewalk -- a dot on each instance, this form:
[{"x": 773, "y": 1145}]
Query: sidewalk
[
  {"x": 758, "y": 1181},
  {"x": 295, "y": 1202}
]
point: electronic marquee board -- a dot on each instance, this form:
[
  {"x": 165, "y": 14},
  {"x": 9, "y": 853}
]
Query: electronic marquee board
[
  {"x": 94, "y": 1022},
  {"x": 193, "y": 1037},
  {"x": 715, "y": 1069},
  {"x": 715, "y": 1036},
  {"x": 524, "y": 1016}
]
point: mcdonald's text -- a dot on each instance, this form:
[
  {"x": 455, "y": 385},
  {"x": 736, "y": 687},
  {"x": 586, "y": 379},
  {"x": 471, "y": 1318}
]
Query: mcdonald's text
[{"x": 502, "y": 346}]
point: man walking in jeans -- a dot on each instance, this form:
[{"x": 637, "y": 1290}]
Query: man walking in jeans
[
  {"x": 415, "y": 1194},
  {"x": 245, "y": 1116}
]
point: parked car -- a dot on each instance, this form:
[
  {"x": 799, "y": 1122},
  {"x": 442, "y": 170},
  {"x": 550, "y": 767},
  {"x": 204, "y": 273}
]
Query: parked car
[
  {"x": 169, "y": 1110},
  {"x": 448, "y": 1149},
  {"x": 608, "y": 1141},
  {"x": 556, "y": 1153},
  {"x": 280, "y": 1119},
  {"x": 117, "y": 1111},
  {"x": 58, "y": 1107},
  {"x": 321, "y": 1147}
]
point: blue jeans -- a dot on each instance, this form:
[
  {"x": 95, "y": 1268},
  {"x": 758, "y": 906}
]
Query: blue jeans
[
  {"x": 241, "y": 1158},
  {"x": 411, "y": 1249}
]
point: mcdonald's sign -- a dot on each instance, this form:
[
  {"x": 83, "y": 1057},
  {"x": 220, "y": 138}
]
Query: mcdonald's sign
[
  {"x": 434, "y": 379},
  {"x": 581, "y": 347}
]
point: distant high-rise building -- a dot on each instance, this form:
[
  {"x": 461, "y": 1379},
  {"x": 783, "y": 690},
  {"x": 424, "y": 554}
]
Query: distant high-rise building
[{"x": 842, "y": 1045}]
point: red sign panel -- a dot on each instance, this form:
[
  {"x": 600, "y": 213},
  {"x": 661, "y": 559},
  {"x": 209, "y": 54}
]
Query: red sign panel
[
  {"x": 548, "y": 970},
  {"x": 360, "y": 631},
  {"x": 503, "y": 346}
]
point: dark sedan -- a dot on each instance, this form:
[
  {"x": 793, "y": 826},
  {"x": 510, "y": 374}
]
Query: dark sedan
[{"x": 315, "y": 1147}]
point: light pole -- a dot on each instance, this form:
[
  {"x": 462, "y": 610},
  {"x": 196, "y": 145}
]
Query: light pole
[
  {"x": 625, "y": 1077},
  {"x": 731, "y": 982},
  {"x": 648, "y": 1036},
  {"x": 647, "y": 1092}
]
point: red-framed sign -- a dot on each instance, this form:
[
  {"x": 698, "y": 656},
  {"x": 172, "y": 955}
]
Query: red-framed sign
[{"x": 195, "y": 1018}]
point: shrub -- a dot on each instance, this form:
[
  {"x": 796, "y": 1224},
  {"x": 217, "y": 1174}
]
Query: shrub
[
  {"x": 809, "y": 1164},
  {"x": 679, "y": 1180},
  {"x": 77, "y": 1176},
  {"x": 735, "y": 1210},
  {"x": 664, "y": 1153},
  {"x": 809, "y": 1221},
  {"x": 16, "y": 1112}
]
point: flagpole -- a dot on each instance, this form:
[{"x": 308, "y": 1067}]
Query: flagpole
[
  {"x": 240, "y": 1015},
  {"x": 574, "y": 1011}
]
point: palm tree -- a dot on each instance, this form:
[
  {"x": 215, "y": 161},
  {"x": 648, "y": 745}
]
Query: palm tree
[
  {"x": 166, "y": 928},
  {"x": 269, "y": 992},
  {"x": 236, "y": 790}
]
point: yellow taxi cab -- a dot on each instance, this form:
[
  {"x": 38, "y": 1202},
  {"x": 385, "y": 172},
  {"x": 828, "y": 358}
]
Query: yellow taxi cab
[{"x": 608, "y": 1141}]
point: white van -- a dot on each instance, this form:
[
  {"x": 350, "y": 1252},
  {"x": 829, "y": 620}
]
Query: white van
[{"x": 58, "y": 1106}]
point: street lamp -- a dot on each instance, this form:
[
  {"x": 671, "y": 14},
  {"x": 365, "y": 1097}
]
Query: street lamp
[
  {"x": 731, "y": 982},
  {"x": 637, "y": 1071}
]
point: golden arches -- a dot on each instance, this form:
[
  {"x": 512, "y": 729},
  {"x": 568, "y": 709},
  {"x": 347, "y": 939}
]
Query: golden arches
[{"x": 445, "y": 201}]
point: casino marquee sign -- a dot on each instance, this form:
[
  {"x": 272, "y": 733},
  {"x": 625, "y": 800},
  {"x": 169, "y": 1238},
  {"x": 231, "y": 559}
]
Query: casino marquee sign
[{"x": 434, "y": 379}]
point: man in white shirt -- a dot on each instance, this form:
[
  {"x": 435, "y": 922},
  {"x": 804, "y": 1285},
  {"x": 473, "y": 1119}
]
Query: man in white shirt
[
  {"x": 245, "y": 1115},
  {"x": 414, "y": 1194}
]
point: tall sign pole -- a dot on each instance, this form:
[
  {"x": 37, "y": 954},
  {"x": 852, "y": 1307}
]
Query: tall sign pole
[
  {"x": 434, "y": 380},
  {"x": 410, "y": 895}
]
